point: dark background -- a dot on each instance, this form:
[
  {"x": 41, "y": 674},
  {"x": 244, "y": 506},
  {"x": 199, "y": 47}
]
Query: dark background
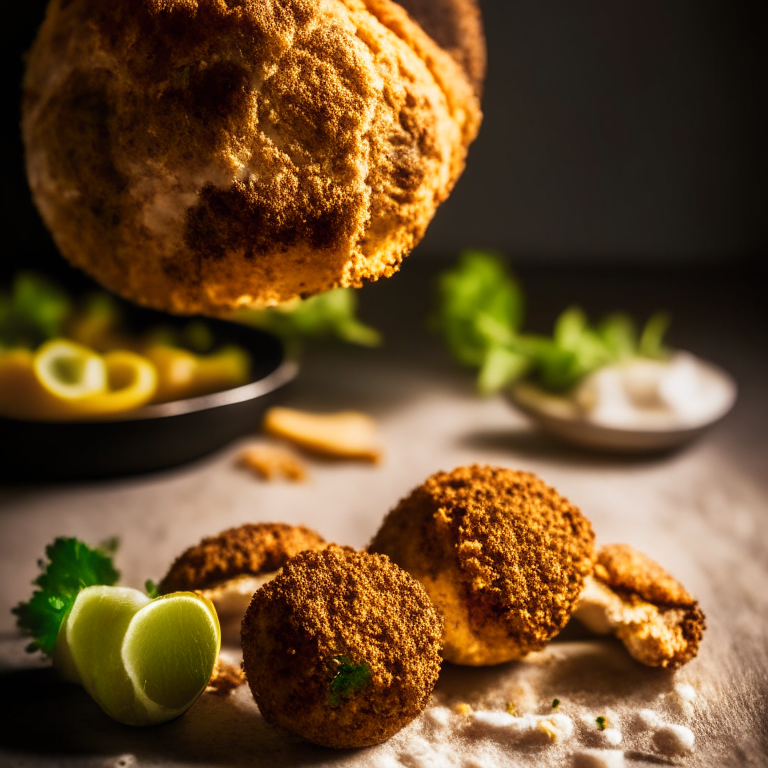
[{"x": 614, "y": 131}]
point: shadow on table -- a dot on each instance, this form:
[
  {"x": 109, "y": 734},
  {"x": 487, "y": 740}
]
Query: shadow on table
[
  {"x": 535, "y": 444},
  {"x": 47, "y": 717}
]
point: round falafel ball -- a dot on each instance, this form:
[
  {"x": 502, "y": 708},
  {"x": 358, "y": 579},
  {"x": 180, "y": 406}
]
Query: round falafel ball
[
  {"x": 342, "y": 648},
  {"x": 230, "y": 567},
  {"x": 199, "y": 155},
  {"x": 502, "y": 555}
]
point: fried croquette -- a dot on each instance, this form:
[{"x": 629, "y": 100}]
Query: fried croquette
[
  {"x": 199, "y": 155},
  {"x": 634, "y": 598},
  {"x": 230, "y": 567},
  {"x": 457, "y": 27},
  {"x": 342, "y": 648},
  {"x": 502, "y": 555}
]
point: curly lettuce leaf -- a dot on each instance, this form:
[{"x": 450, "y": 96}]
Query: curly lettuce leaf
[
  {"x": 72, "y": 566},
  {"x": 330, "y": 314}
]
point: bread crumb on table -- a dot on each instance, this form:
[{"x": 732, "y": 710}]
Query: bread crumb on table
[
  {"x": 272, "y": 462},
  {"x": 343, "y": 435}
]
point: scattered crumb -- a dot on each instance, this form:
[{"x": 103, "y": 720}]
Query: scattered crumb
[
  {"x": 345, "y": 435},
  {"x": 273, "y": 461},
  {"x": 510, "y": 708},
  {"x": 673, "y": 739},
  {"x": 463, "y": 709},
  {"x": 501, "y": 725},
  {"x": 225, "y": 679},
  {"x": 599, "y": 758},
  {"x": 612, "y": 737},
  {"x": 647, "y": 718}
]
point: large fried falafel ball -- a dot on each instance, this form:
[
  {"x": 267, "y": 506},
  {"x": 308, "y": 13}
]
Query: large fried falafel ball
[
  {"x": 201, "y": 155},
  {"x": 230, "y": 567},
  {"x": 502, "y": 555},
  {"x": 342, "y": 648}
]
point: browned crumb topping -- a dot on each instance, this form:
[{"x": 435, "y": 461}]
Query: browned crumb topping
[
  {"x": 520, "y": 549},
  {"x": 273, "y": 461},
  {"x": 225, "y": 678},
  {"x": 197, "y": 156},
  {"x": 636, "y": 579},
  {"x": 250, "y": 549},
  {"x": 625, "y": 569},
  {"x": 333, "y": 605}
]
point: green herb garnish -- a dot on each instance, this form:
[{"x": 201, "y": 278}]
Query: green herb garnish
[
  {"x": 555, "y": 703},
  {"x": 151, "y": 589},
  {"x": 600, "y": 723},
  {"x": 330, "y": 314},
  {"x": 71, "y": 567},
  {"x": 32, "y": 313},
  {"x": 349, "y": 679},
  {"x": 480, "y": 315}
]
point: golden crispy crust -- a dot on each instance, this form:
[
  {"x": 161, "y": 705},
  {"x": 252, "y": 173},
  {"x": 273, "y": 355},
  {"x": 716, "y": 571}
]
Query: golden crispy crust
[
  {"x": 251, "y": 549},
  {"x": 199, "y": 155},
  {"x": 457, "y": 27},
  {"x": 339, "y": 603},
  {"x": 673, "y": 623},
  {"x": 501, "y": 542}
]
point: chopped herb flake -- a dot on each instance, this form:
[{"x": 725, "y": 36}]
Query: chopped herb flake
[
  {"x": 151, "y": 589},
  {"x": 600, "y": 723},
  {"x": 555, "y": 703},
  {"x": 349, "y": 679}
]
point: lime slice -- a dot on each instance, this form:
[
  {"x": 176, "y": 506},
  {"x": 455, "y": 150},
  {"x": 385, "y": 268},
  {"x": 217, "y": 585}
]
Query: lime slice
[
  {"x": 68, "y": 370},
  {"x": 170, "y": 649},
  {"x": 143, "y": 661},
  {"x": 93, "y": 633}
]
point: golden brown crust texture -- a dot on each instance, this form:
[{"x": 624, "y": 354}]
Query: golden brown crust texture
[
  {"x": 200, "y": 155},
  {"x": 251, "y": 549},
  {"x": 502, "y": 543},
  {"x": 338, "y": 604},
  {"x": 649, "y": 610}
]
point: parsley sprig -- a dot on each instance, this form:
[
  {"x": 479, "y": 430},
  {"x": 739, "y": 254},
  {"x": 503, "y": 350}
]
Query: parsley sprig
[
  {"x": 72, "y": 566},
  {"x": 349, "y": 679}
]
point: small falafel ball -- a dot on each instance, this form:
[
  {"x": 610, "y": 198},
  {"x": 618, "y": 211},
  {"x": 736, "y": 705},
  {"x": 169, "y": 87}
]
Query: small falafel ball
[
  {"x": 652, "y": 613},
  {"x": 230, "y": 567},
  {"x": 342, "y": 648},
  {"x": 501, "y": 554}
]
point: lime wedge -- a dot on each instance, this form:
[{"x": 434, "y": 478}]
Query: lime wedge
[
  {"x": 170, "y": 649},
  {"x": 143, "y": 661},
  {"x": 94, "y": 633}
]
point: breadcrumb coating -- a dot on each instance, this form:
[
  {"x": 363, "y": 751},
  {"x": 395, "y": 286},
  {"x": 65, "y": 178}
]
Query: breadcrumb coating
[
  {"x": 201, "y": 155},
  {"x": 333, "y": 605},
  {"x": 634, "y": 598},
  {"x": 252, "y": 549},
  {"x": 225, "y": 678},
  {"x": 501, "y": 554}
]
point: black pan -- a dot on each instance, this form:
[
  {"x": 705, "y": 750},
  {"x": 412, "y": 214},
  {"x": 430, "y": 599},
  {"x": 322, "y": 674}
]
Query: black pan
[{"x": 155, "y": 436}]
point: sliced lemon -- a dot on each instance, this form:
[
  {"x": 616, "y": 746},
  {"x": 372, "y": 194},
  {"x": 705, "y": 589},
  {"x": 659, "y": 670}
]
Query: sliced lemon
[
  {"x": 69, "y": 371},
  {"x": 143, "y": 661},
  {"x": 132, "y": 381}
]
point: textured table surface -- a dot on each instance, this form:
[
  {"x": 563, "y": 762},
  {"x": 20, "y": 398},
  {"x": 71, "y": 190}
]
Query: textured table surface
[{"x": 702, "y": 512}]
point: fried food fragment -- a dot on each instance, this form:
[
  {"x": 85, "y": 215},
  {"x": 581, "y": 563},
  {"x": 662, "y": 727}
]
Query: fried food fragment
[
  {"x": 457, "y": 27},
  {"x": 201, "y": 156},
  {"x": 225, "y": 679},
  {"x": 230, "y": 567},
  {"x": 634, "y": 598},
  {"x": 344, "y": 435},
  {"x": 501, "y": 554},
  {"x": 342, "y": 648},
  {"x": 273, "y": 461}
]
